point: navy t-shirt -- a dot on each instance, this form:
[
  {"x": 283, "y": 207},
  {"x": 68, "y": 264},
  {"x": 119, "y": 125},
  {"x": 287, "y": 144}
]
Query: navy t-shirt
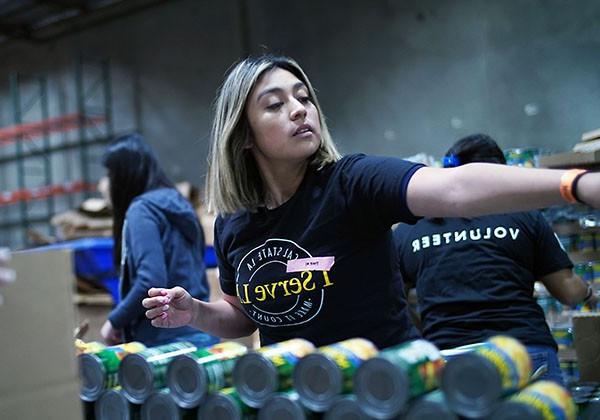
[
  {"x": 474, "y": 277},
  {"x": 344, "y": 211}
]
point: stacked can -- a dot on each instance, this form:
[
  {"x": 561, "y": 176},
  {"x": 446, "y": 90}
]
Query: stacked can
[
  {"x": 430, "y": 406},
  {"x": 112, "y": 405},
  {"x": 142, "y": 373},
  {"x": 346, "y": 408},
  {"x": 596, "y": 271},
  {"x": 384, "y": 383},
  {"x": 285, "y": 405},
  {"x": 542, "y": 400},
  {"x": 563, "y": 335},
  {"x": 474, "y": 382},
  {"x": 225, "y": 404},
  {"x": 323, "y": 376},
  {"x": 258, "y": 374},
  {"x": 190, "y": 377},
  {"x": 160, "y": 405},
  {"x": 99, "y": 370}
]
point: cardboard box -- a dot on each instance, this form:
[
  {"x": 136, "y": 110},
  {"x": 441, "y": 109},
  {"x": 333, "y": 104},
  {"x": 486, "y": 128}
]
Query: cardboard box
[
  {"x": 586, "y": 336},
  {"x": 38, "y": 373}
]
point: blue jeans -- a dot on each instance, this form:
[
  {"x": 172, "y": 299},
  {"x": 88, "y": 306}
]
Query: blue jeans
[
  {"x": 544, "y": 355},
  {"x": 199, "y": 339}
]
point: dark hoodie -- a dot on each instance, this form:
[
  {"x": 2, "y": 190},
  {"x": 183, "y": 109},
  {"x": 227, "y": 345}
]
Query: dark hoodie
[{"x": 163, "y": 246}]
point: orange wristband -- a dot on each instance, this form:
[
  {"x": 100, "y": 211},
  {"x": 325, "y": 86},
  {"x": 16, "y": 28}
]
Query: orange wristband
[{"x": 566, "y": 184}]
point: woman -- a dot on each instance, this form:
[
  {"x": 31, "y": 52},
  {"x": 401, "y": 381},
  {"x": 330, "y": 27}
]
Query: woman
[
  {"x": 474, "y": 277},
  {"x": 158, "y": 242},
  {"x": 303, "y": 236}
]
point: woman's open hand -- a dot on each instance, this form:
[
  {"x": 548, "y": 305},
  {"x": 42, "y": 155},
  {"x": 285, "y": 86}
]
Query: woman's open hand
[{"x": 169, "y": 308}]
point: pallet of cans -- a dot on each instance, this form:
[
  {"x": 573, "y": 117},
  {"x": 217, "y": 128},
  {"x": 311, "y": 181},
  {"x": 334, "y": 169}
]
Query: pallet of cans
[{"x": 347, "y": 380}]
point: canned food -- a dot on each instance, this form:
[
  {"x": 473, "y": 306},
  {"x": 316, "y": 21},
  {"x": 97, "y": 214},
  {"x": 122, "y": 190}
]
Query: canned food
[
  {"x": 190, "y": 377},
  {"x": 160, "y": 405},
  {"x": 522, "y": 157},
  {"x": 284, "y": 405},
  {"x": 260, "y": 373},
  {"x": 112, "y": 405},
  {"x": 473, "y": 382},
  {"x": 585, "y": 242},
  {"x": 225, "y": 404},
  {"x": 430, "y": 406},
  {"x": 99, "y": 370},
  {"x": 542, "y": 400},
  {"x": 384, "y": 383},
  {"x": 322, "y": 376},
  {"x": 346, "y": 408},
  {"x": 142, "y": 373}
]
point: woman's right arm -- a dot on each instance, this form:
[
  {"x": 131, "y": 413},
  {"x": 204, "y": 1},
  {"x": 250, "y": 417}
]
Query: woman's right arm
[
  {"x": 569, "y": 288},
  {"x": 170, "y": 308}
]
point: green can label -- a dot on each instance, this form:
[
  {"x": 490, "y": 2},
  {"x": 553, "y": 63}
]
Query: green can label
[
  {"x": 285, "y": 356},
  {"x": 218, "y": 361},
  {"x": 111, "y": 358},
  {"x": 233, "y": 396},
  {"x": 421, "y": 360},
  {"x": 159, "y": 357},
  {"x": 348, "y": 355}
]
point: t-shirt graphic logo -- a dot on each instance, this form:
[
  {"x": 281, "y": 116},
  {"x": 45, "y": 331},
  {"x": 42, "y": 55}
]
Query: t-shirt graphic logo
[{"x": 273, "y": 297}]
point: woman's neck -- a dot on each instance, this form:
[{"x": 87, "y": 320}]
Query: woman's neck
[{"x": 281, "y": 184}]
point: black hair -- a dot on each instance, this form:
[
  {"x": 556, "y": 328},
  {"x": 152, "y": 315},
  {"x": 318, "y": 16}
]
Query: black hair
[
  {"x": 476, "y": 148},
  {"x": 133, "y": 169}
]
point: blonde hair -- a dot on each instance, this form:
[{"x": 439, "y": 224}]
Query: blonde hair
[{"x": 234, "y": 182}]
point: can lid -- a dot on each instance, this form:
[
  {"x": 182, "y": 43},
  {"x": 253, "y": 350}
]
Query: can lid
[
  {"x": 255, "y": 379},
  {"x": 472, "y": 385},
  {"x": 426, "y": 410},
  {"x": 514, "y": 410},
  {"x": 219, "y": 406},
  {"x": 112, "y": 405},
  {"x": 159, "y": 405},
  {"x": 381, "y": 388},
  {"x": 345, "y": 408},
  {"x": 282, "y": 407},
  {"x": 93, "y": 377},
  {"x": 318, "y": 380},
  {"x": 186, "y": 379},
  {"x": 136, "y": 377}
]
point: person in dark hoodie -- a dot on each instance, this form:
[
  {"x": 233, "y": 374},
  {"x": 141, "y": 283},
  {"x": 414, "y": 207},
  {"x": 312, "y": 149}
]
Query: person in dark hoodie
[{"x": 158, "y": 243}]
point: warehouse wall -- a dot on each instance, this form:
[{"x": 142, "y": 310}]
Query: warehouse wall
[{"x": 394, "y": 77}]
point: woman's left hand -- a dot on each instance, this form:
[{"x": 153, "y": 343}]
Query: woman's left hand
[{"x": 110, "y": 334}]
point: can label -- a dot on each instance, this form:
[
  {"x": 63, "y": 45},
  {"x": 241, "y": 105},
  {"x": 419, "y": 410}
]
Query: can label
[
  {"x": 285, "y": 356},
  {"x": 111, "y": 358},
  {"x": 233, "y": 396},
  {"x": 218, "y": 361},
  {"x": 421, "y": 360},
  {"x": 551, "y": 400},
  {"x": 511, "y": 359},
  {"x": 348, "y": 355},
  {"x": 159, "y": 357}
]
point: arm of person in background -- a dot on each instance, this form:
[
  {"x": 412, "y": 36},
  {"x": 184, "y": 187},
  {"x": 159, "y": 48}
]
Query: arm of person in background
[
  {"x": 146, "y": 249},
  {"x": 477, "y": 189},
  {"x": 171, "y": 308},
  {"x": 569, "y": 288}
]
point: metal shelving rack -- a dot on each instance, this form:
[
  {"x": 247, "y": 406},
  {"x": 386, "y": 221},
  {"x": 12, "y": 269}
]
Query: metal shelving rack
[{"x": 39, "y": 150}]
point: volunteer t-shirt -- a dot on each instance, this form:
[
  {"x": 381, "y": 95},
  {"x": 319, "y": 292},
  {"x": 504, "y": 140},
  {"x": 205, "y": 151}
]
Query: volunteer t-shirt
[
  {"x": 321, "y": 265},
  {"x": 475, "y": 277}
]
